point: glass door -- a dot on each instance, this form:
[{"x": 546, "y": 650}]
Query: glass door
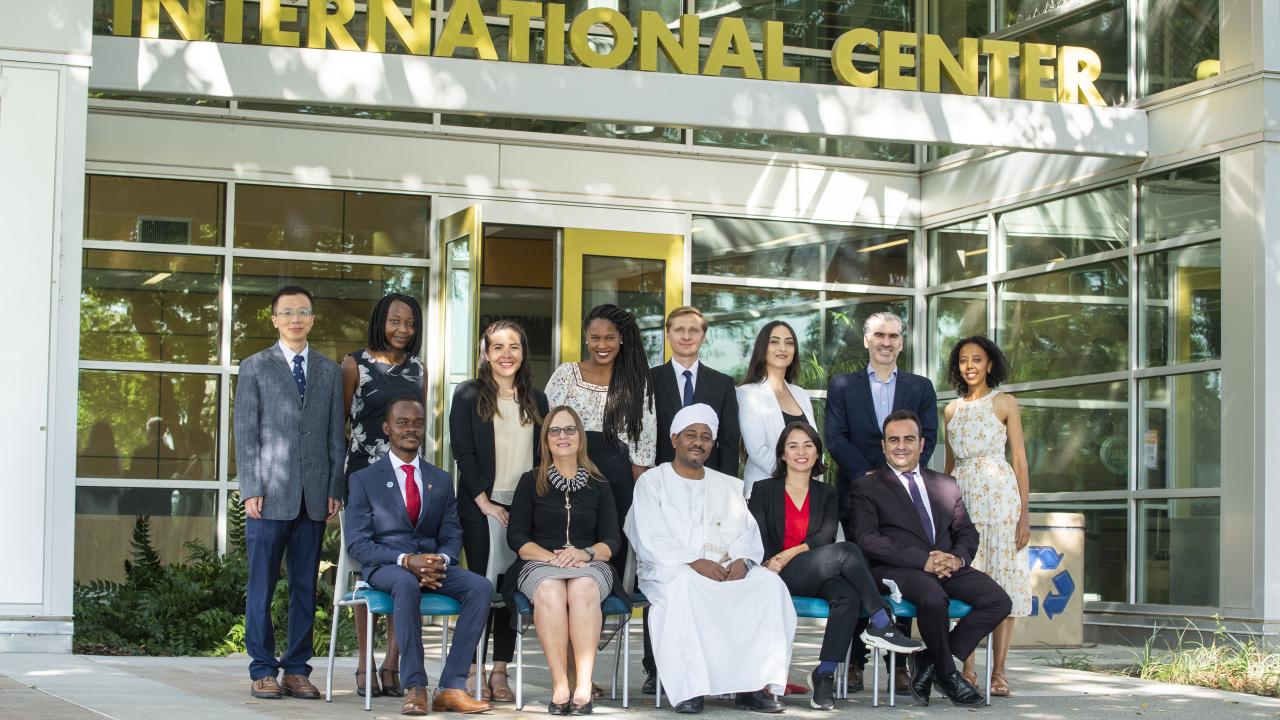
[
  {"x": 640, "y": 272},
  {"x": 459, "y": 254}
]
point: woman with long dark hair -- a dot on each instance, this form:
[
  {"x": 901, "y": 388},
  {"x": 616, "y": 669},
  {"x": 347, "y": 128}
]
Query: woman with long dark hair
[
  {"x": 610, "y": 391},
  {"x": 493, "y": 430},
  {"x": 767, "y": 399},
  {"x": 387, "y": 368}
]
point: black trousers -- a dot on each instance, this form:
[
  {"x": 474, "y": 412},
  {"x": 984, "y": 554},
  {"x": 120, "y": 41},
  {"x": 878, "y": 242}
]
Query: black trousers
[
  {"x": 931, "y": 595},
  {"x": 475, "y": 543},
  {"x": 838, "y": 574},
  {"x": 614, "y": 461}
]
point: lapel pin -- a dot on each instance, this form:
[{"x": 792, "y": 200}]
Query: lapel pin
[{"x": 390, "y": 484}]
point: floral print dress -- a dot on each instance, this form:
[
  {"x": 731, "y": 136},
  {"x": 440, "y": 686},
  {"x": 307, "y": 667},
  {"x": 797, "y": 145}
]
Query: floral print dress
[
  {"x": 379, "y": 383},
  {"x": 978, "y": 439}
]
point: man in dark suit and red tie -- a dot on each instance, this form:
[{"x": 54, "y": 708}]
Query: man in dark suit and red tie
[
  {"x": 913, "y": 528},
  {"x": 402, "y": 527}
]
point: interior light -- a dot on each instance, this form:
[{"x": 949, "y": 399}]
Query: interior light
[
  {"x": 882, "y": 246},
  {"x": 157, "y": 278}
]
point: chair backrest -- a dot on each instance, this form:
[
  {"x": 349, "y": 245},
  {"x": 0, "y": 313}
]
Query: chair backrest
[
  {"x": 346, "y": 566},
  {"x": 500, "y": 554},
  {"x": 629, "y": 573}
]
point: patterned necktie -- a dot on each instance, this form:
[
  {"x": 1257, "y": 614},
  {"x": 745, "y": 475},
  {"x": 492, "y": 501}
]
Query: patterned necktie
[
  {"x": 299, "y": 377},
  {"x": 412, "y": 500},
  {"x": 688, "y": 387},
  {"x": 919, "y": 503}
]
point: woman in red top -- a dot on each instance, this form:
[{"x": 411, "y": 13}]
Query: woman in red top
[{"x": 797, "y": 516}]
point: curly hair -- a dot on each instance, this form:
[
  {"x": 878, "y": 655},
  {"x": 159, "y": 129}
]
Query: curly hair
[
  {"x": 997, "y": 371},
  {"x": 629, "y": 389},
  {"x": 488, "y": 404}
]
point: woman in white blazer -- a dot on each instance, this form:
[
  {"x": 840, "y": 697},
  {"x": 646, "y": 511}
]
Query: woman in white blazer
[{"x": 767, "y": 399}]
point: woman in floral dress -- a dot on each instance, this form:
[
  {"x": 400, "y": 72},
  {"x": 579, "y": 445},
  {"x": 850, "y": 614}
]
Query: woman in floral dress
[{"x": 979, "y": 425}]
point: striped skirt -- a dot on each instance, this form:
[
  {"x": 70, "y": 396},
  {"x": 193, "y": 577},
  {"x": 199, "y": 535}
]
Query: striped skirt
[{"x": 533, "y": 573}]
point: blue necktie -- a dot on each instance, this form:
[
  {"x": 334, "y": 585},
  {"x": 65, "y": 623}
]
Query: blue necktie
[
  {"x": 919, "y": 503},
  {"x": 298, "y": 376},
  {"x": 688, "y": 388}
]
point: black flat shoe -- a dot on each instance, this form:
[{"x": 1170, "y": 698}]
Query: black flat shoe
[
  {"x": 555, "y": 708},
  {"x": 758, "y": 701},
  {"x": 360, "y": 688},
  {"x": 583, "y": 709},
  {"x": 692, "y": 706}
]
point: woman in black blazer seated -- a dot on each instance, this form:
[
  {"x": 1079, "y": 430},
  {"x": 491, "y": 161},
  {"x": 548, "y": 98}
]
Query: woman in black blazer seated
[
  {"x": 494, "y": 431},
  {"x": 564, "y": 528},
  {"x": 796, "y": 513}
]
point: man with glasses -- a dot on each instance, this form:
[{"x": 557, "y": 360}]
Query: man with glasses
[{"x": 289, "y": 456}]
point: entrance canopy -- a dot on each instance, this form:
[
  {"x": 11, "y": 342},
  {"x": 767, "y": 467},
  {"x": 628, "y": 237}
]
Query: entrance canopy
[{"x": 430, "y": 84}]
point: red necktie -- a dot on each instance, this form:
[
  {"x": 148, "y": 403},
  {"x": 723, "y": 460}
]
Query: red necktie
[{"x": 412, "y": 500}]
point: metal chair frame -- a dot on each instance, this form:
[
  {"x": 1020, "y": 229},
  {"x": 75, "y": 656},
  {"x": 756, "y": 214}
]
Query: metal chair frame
[{"x": 621, "y": 653}]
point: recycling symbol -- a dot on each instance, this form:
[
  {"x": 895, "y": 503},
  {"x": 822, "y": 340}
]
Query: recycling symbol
[{"x": 1054, "y": 603}]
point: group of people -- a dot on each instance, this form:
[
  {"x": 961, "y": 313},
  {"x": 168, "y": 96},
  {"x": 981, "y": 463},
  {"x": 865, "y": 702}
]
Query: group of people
[{"x": 555, "y": 488}]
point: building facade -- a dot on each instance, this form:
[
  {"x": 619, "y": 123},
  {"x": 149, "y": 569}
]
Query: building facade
[{"x": 168, "y": 165}]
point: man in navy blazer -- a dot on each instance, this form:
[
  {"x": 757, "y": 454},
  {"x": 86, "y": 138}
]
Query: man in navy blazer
[{"x": 402, "y": 527}]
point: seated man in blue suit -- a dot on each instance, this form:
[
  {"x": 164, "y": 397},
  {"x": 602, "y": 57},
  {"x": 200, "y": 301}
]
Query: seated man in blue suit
[{"x": 402, "y": 527}]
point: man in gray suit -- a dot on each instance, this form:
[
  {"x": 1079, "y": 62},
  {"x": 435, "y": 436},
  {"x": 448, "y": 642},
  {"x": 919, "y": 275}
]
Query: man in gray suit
[{"x": 289, "y": 456}]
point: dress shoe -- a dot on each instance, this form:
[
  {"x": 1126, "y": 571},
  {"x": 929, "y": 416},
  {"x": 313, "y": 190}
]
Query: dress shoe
[
  {"x": 957, "y": 689},
  {"x": 583, "y": 709},
  {"x": 415, "y": 701},
  {"x": 692, "y": 706},
  {"x": 650, "y": 684},
  {"x": 555, "y": 708},
  {"x": 855, "y": 680},
  {"x": 457, "y": 700},
  {"x": 265, "y": 688},
  {"x": 500, "y": 691},
  {"x": 890, "y": 639},
  {"x": 824, "y": 691},
  {"x": 299, "y": 686},
  {"x": 902, "y": 681},
  {"x": 758, "y": 701},
  {"x": 922, "y": 682}
]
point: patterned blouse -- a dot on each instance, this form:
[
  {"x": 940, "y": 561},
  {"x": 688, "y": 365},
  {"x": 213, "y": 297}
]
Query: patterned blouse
[
  {"x": 379, "y": 383},
  {"x": 566, "y": 387}
]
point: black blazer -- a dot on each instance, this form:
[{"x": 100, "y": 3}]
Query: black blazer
[
  {"x": 768, "y": 506},
  {"x": 541, "y": 519},
  {"x": 852, "y": 434},
  {"x": 473, "y": 449},
  {"x": 887, "y": 527},
  {"x": 711, "y": 387}
]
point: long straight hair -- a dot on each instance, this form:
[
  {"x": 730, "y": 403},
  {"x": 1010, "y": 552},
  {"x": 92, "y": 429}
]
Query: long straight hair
[
  {"x": 488, "y": 405},
  {"x": 757, "y": 367},
  {"x": 543, "y": 485},
  {"x": 629, "y": 390}
]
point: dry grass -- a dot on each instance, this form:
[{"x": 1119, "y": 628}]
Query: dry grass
[{"x": 1225, "y": 663}]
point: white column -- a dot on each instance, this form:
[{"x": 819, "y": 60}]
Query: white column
[{"x": 44, "y": 73}]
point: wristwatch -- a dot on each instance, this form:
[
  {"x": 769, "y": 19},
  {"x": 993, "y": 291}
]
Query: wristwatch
[
  {"x": 749, "y": 563},
  {"x": 591, "y": 553}
]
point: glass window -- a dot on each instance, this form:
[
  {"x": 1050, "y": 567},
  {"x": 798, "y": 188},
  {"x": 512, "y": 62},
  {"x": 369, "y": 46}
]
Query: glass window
[
  {"x": 168, "y": 212},
  {"x": 105, "y": 519},
  {"x": 1102, "y": 27},
  {"x": 1182, "y": 305},
  {"x": 147, "y": 425},
  {"x": 1066, "y": 323},
  {"x": 345, "y": 294},
  {"x": 1067, "y": 228},
  {"x": 809, "y": 23},
  {"x": 150, "y": 307},
  {"x": 958, "y": 252},
  {"x": 1187, "y": 200},
  {"x": 828, "y": 327},
  {"x": 1182, "y": 43},
  {"x": 637, "y": 284},
  {"x": 1106, "y": 546},
  {"x": 1076, "y": 437},
  {"x": 1178, "y": 551},
  {"x": 954, "y": 20},
  {"x": 738, "y": 247},
  {"x": 1181, "y": 430},
  {"x": 331, "y": 221},
  {"x": 952, "y": 317}
]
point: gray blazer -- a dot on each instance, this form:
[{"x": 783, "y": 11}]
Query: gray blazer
[{"x": 288, "y": 449}]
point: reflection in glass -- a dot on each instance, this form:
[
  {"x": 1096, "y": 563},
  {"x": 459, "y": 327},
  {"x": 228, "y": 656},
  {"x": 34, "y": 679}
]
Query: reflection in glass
[
  {"x": 1181, "y": 431},
  {"x": 169, "y": 212},
  {"x": 1070, "y": 227},
  {"x": 636, "y": 284},
  {"x": 1076, "y": 437},
  {"x": 1182, "y": 42},
  {"x": 1182, "y": 305},
  {"x": 345, "y": 294},
  {"x": 147, "y": 425},
  {"x": 958, "y": 252},
  {"x": 149, "y": 307},
  {"x": 105, "y": 518},
  {"x": 809, "y": 23},
  {"x": 1106, "y": 546},
  {"x": 1187, "y": 200},
  {"x": 1066, "y": 323},
  {"x": 952, "y": 317},
  {"x": 1102, "y": 27},
  {"x": 954, "y": 20},
  {"x": 739, "y": 247},
  {"x": 1178, "y": 551},
  {"x": 331, "y": 221}
]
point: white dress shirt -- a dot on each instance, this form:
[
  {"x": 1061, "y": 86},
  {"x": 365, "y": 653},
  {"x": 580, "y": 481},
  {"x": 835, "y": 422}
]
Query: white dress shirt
[
  {"x": 924, "y": 493},
  {"x": 289, "y": 355},
  {"x": 397, "y": 464},
  {"x": 679, "y": 370}
]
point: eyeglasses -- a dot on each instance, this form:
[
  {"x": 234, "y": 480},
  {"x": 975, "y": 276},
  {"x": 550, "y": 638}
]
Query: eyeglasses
[
  {"x": 567, "y": 431},
  {"x": 290, "y": 313}
]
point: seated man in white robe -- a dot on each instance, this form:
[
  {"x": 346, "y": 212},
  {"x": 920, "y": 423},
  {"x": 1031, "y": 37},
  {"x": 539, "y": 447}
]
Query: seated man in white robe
[{"x": 720, "y": 622}]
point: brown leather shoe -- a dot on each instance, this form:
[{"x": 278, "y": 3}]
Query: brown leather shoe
[
  {"x": 902, "y": 681},
  {"x": 415, "y": 701},
  {"x": 299, "y": 686},
  {"x": 457, "y": 700},
  {"x": 265, "y": 688}
]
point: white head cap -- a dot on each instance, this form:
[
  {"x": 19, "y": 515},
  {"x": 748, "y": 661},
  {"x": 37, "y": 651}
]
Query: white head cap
[{"x": 694, "y": 414}]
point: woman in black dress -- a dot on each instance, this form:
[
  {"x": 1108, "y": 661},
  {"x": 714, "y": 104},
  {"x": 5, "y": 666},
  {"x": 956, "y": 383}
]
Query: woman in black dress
[
  {"x": 494, "y": 425},
  {"x": 386, "y": 369},
  {"x": 564, "y": 529}
]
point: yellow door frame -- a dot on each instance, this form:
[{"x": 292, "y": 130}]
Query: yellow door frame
[{"x": 465, "y": 223}]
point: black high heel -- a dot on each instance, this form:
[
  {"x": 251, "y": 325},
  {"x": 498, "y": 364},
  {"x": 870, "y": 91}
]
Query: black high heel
[
  {"x": 360, "y": 689},
  {"x": 583, "y": 709},
  {"x": 555, "y": 708}
]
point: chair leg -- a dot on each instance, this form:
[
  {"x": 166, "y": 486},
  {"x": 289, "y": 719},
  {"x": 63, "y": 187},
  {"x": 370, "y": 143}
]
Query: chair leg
[
  {"x": 520, "y": 670},
  {"x": 480, "y": 645},
  {"x": 626, "y": 661},
  {"x": 368, "y": 659},
  {"x": 657, "y": 691},
  {"x": 893, "y": 679},
  {"x": 613, "y": 682},
  {"x": 444, "y": 645},
  {"x": 990, "y": 642},
  {"x": 333, "y": 649},
  {"x": 875, "y": 677}
]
